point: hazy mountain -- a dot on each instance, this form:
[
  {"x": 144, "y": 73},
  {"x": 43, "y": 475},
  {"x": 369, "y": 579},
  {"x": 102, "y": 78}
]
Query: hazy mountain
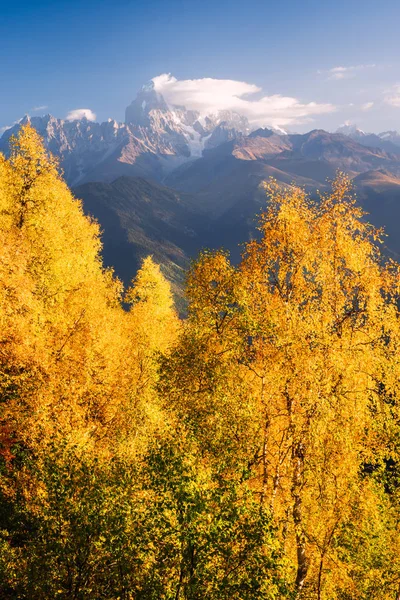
[
  {"x": 390, "y": 136},
  {"x": 233, "y": 171},
  {"x": 389, "y": 141},
  {"x": 341, "y": 152},
  {"x": 228, "y": 181}
]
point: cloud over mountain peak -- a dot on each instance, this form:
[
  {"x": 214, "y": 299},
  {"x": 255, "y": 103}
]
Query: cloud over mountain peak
[
  {"x": 208, "y": 95},
  {"x": 80, "y": 113}
]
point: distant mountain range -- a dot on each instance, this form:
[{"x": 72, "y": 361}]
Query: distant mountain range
[
  {"x": 169, "y": 181},
  {"x": 154, "y": 139},
  {"x": 387, "y": 140}
]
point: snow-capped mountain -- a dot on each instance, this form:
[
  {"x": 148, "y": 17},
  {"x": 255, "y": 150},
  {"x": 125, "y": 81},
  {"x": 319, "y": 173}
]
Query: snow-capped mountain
[
  {"x": 186, "y": 132},
  {"x": 390, "y": 136},
  {"x": 155, "y": 139},
  {"x": 350, "y": 130},
  {"x": 388, "y": 140},
  {"x": 81, "y": 145}
]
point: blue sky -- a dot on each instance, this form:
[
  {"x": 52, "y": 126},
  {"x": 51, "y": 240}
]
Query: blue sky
[{"x": 341, "y": 55}]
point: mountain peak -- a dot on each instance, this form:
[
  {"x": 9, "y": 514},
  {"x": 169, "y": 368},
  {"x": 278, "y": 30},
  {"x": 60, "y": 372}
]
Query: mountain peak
[
  {"x": 391, "y": 135},
  {"x": 350, "y": 129},
  {"x": 263, "y": 132},
  {"x": 148, "y": 87},
  {"x": 146, "y": 100}
]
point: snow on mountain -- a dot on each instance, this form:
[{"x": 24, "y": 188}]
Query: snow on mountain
[
  {"x": 388, "y": 140},
  {"x": 390, "y": 136},
  {"x": 350, "y": 129},
  {"x": 186, "y": 131},
  {"x": 80, "y": 144}
]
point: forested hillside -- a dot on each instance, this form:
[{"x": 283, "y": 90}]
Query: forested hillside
[{"x": 250, "y": 451}]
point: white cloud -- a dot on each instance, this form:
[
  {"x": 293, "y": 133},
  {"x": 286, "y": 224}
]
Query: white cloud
[
  {"x": 209, "y": 95},
  {"x": 338, "y": 73},
  {"x": 80, "y": 113},
  {"x": 39, "y": 108},
  {"x": 367, "y": 106},
  {"x": 392, "y": 96}
]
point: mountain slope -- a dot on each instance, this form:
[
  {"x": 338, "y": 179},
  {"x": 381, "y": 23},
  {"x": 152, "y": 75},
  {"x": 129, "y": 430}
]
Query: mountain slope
[
  {"x": 227, "y": 179},
  {"x": 138, "y": 218}
]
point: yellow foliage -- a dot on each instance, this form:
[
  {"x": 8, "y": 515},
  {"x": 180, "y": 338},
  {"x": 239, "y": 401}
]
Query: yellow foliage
[
  {"x": 273, "y": 407},
  {"x": 153, "y": 327},
  {"x": 284, "y": 360},
  {"x": 68, "y": 365}
]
